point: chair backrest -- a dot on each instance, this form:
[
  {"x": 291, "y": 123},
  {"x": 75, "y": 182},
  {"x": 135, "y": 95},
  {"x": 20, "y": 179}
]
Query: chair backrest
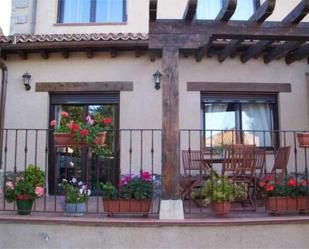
[
  {"x": 260, "y": 161},
  {"x": 239, "y": 159},
  {"x": 192, "y": 161},
  {"x": 281, "y": 161}
]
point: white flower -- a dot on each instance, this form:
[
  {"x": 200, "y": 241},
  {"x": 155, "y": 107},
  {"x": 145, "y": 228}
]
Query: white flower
[
  {"x": 74, "y": 180},
  {"x": 88, "y": 192},
  {"x": 71, "y": 164},
  {"x": 84, "y": 187},
  {"x": 64, "y": 180},
  {"x": 80, "y": 183},
  {"x": 81, "y": 191}
]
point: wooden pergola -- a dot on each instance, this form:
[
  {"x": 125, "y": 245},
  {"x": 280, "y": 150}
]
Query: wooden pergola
[{"x": 272, "y": 40}]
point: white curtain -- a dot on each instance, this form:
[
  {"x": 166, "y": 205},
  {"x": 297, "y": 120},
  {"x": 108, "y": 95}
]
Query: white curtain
[
  {"x": 257, "y": 117},
  {"x": 208, "y": 9},
  {"x": 109, "y": 11},
  {"x": 76, "y": 11},
  {"x": 244, "y": 10}
]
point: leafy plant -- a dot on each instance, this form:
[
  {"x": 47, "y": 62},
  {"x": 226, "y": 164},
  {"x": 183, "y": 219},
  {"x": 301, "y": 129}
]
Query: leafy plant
[
  {"x": 75, "y": 191},
  {"x": 86, "y": 132},
  {"x": 109, "y": 191},
  {"x": 29, "y": 184}
]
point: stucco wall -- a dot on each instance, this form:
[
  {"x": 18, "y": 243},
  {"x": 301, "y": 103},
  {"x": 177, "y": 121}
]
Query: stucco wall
[
  {"x": 137, "y": 11},
  {"x": 240, "y": 237}
]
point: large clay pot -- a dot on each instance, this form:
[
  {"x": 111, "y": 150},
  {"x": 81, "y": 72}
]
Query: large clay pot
[
  {"x": 221, "y": 208},
  {"x": 126, "y": 206},
  {"x": 65, "y": 140},
  {"x": 24, "y": 204},
  {"x": 277, "y": 204},
  {"x": 303, "y": 139}
]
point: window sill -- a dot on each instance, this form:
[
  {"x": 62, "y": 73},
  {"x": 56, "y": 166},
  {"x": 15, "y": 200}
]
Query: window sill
[{"x": 90, "y": 24}]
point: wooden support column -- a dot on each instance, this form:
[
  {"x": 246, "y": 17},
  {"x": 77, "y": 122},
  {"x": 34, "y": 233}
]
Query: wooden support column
[{"x": 170, "y": 123}]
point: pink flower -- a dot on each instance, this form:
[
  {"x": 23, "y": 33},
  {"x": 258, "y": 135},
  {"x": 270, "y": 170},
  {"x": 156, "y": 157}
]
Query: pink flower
[
  {"x": 146, "y": 176},
  {"x": 9, "y": 185},
  {"x": 64, "y": 114},
  {"x": 90, "y": 120},
  {"x": 53, "y": 122},
  {"x": 39, "y": 191},
  {"x": 84, "y": 132}
]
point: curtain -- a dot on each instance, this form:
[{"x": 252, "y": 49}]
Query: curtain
[
  {"x": 109, "y": 11},
  {"x": 244, "y": 10},
  {"x": 76, "y": 11},
  {"x": 208, "y": 9},
  {"x": 257, "y": 117}
]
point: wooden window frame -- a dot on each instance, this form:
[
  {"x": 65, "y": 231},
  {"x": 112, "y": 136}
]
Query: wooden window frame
[{"x": 60, "y": 12}]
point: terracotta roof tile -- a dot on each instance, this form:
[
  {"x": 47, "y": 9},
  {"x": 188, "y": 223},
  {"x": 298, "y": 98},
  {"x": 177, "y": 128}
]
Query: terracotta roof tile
[{"x": 14, "y": 39}]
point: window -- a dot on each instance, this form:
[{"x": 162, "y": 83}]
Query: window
[
  {"x": 247, "y": 119},
  {"x": 85, "y": 11},
  {"x": 209, "y": 9}
]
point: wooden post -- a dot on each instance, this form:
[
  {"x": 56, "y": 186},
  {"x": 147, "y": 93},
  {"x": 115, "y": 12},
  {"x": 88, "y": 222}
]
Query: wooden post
[{"x": 170, "y": 123}]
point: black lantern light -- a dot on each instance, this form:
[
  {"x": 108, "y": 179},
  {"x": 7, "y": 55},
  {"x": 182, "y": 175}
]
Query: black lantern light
[
  {"x": 157, "y": 79},
  {"x": 27, "y": 77}
]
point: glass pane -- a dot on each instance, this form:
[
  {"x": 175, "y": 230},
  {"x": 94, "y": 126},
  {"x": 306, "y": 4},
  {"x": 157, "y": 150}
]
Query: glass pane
[
  {"x": 257, "y": 118},
  {"x": 222, "y": 119},
  {"x": 109, "y": 11},
  {"x": 208, "y": 9},
  {"x": 244, "y": 10},
  {"x": 76, "y": 11}
]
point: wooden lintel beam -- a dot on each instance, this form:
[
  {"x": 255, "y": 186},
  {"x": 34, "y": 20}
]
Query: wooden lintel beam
[
  {"x": 44, "y": 54},
  {"x": 190, "y": 10},
  {"x": 153, "y": 5},
  {"x": 114, "y": 53},
  {"x": 227, "y": 10},
  {"x": 294, "y": 17},
  {"x": 200, "y": 52},
  {"x": 260, "y": 15},
  {"x": 298, "y": 54},
  {"x": 281, "y": 51},
  {"x": 23, "y": 55},
  {"x": 65, "y": 53},
  {"x": 89, "y": 53}
]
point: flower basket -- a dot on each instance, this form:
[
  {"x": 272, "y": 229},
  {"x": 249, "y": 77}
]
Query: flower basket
[
  {"x": 277, "y": 204},
  {"x": 65, "y": 140},
  {"x": 74, "y": 209},
  {"x": 126, "y": 206},
  {"x": 24, "y": 204},
  {"x": 221, "y": 208},
  {"x": 303, "y": 139}
]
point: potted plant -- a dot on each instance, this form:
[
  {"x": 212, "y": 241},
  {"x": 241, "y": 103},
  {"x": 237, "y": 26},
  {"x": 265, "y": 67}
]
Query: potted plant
[
  {"x": 303, "y": 139},
  {"x": 25, "y": 188},
  {"x": 81, "y": 134},
  {"x": 290, "y": 194},
  {"x": 76, "y": 195},
  {"x": 133, "y": 195},
  {"x": 219, "y": 191}
]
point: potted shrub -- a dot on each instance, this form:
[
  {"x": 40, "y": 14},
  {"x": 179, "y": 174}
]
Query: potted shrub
[
  {"x": 303, "y": 139},
  {"x": 76, "y": 195},
  {"x": 219, "y": 191},
  {"x": 83, "y": 134},
  {"x": 25, "y": 188},
  {"x": 133, "y": 195},
  {"x": 287, "y": 195}
]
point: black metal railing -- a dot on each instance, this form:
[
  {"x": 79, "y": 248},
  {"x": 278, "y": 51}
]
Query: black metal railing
[{"x": 132, "y": 152}]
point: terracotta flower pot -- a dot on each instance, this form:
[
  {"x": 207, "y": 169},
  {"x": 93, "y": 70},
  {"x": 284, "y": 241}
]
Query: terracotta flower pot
[
  {"x": 221, "y": 208},
  {"x": 126, "y": 206},
  {"x": 303, "y": 139},
  {"x": 24, "y": 204},
  {"x": 65, "y": 139},
  {"x": 277, "y": 204}
]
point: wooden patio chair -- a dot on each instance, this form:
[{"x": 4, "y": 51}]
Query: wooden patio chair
[
  {"x": 195, "y": 170},
  {"x": 239, "y": 165},
  {"x": 279, "y": 170}
]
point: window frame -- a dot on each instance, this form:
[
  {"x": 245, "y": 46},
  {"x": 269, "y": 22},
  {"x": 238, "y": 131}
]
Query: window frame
[
  {"x": 60, "y": 13},
  {"x": 224, "y": 97}
]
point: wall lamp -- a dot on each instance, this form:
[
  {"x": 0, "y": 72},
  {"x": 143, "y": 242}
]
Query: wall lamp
[
  {"x": 26, "y": 78},
  {"x": 157, "y": 79}
]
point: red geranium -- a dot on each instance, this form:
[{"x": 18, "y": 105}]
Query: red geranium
[
  {"x": 74, "y": 127},
  {"x": 263, "y": 184},
  {"x": 269, "y": 178},
  {"x": 84, "y": 132},
  {"x": 292, "y": 182},
  {"x": 304, "y": 183},
  {"x": 270, "y": 188},
  {"x": 64, "y": 114},
  {"x": 107, "y": 121}
]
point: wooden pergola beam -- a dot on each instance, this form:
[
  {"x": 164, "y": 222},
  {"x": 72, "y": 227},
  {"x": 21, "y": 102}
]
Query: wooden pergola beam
[
  {"x": 190, "y": 10},
  {"x": 227, "y": 10},
  {"x": 260, "y": 15},
  {"x": 294, "y": 17},
  {"x": 298, "y": 54},
  {"x": 153, "y": 5}
]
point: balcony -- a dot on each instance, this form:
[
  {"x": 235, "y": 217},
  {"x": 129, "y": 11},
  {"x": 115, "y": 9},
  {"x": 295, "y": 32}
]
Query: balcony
[{"x": 139, "y": 150}]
